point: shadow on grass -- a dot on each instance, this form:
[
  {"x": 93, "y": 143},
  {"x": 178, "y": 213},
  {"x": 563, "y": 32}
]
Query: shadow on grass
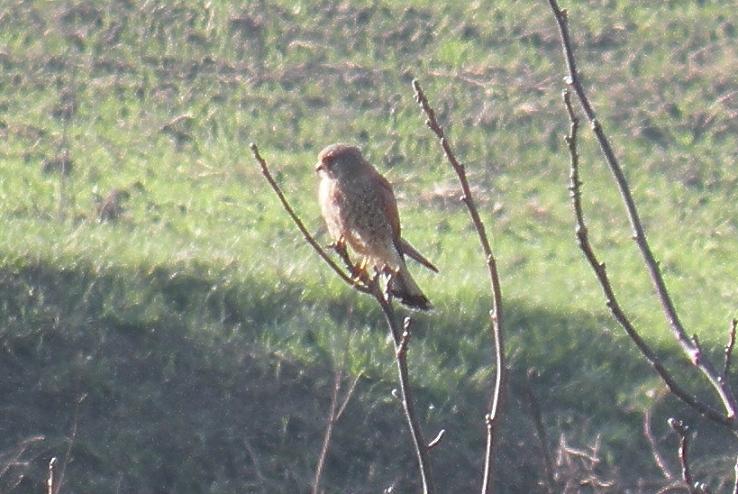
[{"x": 182, "y": 394}]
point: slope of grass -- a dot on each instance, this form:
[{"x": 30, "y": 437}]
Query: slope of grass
[{"x": 204, "y": 332}]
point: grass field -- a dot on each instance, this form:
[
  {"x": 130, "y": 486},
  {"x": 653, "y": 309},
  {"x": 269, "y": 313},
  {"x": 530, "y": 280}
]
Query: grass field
[{"x": 201, "y": 330}]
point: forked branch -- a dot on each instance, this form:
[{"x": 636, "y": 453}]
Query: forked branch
[
  {"x": 604, "y": 280},
  {"x": 689, "y": 345},
  {"x": 682, "y": 430},
  {"x": 535, "y": 410},
  {"x": 492, "y": 418},
  {"x": 334, "y": 414}
]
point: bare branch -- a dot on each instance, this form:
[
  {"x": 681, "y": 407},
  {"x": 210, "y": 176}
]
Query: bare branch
[
  {"x": 257, "y": 464},
  {"x": 437, "y": 440},
  {"x": 674, "y": 487},
  {"x": 330, "y": 424},
  {"x": 68, "y": 454},
  {"x": 334, "y": 415},
  {"x": 14, "y": 459},
  {"x": 682, "y": 430},
  {"x": 348, "y": 396},
  {"x": 300, "y": 225},
  {"x": 663, "y": 466},
  {"x": 578, "y": 467},
  {"x": 492, "y": 418},
  {"x": 680, "y": 334},
  {"x": 50, "y": 488},
  {"x": 408, "y": 403},
  {"x": 540, "y": 431},
  {"x": 602, "y": 277},
  {"x": 402, "y": 347},
  {"x": 729, "y": 349}
]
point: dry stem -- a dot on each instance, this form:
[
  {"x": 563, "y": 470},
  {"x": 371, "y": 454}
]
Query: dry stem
[
  {"x": 331, "y": 422},
  {"x": 408, "y": 403},
  {"x": 492, "y": 418},
  {"x": 604, "y": 280},
  {"x": 50, "y": 488},
  {"x": 334, "y": 415},
  {"x": 658, "y": 458},
  {"x": 689, "y": 346},
  {"x": 540, "y": 431},
  {"x": 728, "y": 353},
  {"x": 682, "y": 430}
]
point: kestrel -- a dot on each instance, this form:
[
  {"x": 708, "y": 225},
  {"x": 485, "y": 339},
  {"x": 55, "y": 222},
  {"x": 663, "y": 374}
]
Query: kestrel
[{"x": 360, "y": 209}]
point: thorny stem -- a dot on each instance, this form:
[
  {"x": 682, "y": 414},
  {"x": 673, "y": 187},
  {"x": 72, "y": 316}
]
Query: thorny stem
[
  {"x": 680, "y": 334},
  {"x": 492, "y": 418}
]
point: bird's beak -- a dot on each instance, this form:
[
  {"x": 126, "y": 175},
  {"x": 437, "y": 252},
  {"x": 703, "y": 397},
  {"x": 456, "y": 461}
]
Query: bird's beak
[{"x": 319, "y": 166}]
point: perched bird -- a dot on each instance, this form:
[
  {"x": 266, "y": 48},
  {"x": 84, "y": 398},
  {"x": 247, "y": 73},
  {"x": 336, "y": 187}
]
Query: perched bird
[{"x": 360, "y": 209}]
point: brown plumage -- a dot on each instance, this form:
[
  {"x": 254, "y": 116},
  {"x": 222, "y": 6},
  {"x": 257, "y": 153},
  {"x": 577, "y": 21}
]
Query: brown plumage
[{"x": 359, "y": 207}]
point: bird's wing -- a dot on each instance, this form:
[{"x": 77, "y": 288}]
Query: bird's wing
[
  {"x": 389, "y": 205},
  {"x": 413, "y": 253}
]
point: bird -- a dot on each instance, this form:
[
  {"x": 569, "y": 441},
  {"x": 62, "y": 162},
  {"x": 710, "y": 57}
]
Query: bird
[{"x": 359, "y": 208}]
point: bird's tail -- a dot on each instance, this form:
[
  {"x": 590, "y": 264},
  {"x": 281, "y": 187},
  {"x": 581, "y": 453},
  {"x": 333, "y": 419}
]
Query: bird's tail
[{"x": 403, "y": 286}]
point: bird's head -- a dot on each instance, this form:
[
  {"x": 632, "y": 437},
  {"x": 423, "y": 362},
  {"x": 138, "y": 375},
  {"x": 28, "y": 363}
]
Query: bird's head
[{"x": 340, "y": 161}]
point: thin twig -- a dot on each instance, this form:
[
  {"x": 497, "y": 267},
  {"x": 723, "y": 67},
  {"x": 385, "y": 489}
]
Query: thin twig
[
  {"x": 68, "y": 454},
  {"x": 50, "y": 479},
  {"x": 300, "y": 225},
  {"x": 492, "y": 418},
  {"x": 437, "y": 440},
  {"x": 257, "y": 464},
  {"x": 729, "y": 349},
  {"x": 348, "y": 396},
  {"x": 675, "y": 487},
  {"x": 535, "y": 410},
  {"x": 408, "y": 403},
  {"x": 682, "y": 431},
  {"x": 735, "y": 479},
  {"x": 658, "y": 458},
  {"x": 405, "y": 339},
  {"x": 601, "y": 272},
  {"x": 680, "y": 334},
  {"x": 14, "y": 458},
  {"x": 330, "y": 424},
  {"x": 334, "y": 415}
]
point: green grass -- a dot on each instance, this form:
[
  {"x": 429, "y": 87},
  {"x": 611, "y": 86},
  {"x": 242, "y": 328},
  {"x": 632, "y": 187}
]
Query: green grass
[{"x": 201, "y": 320}]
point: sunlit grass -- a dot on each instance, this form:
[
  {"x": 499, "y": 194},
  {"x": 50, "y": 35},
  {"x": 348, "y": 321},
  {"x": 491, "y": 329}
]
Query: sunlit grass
[{"x": 166, "y": 109}]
